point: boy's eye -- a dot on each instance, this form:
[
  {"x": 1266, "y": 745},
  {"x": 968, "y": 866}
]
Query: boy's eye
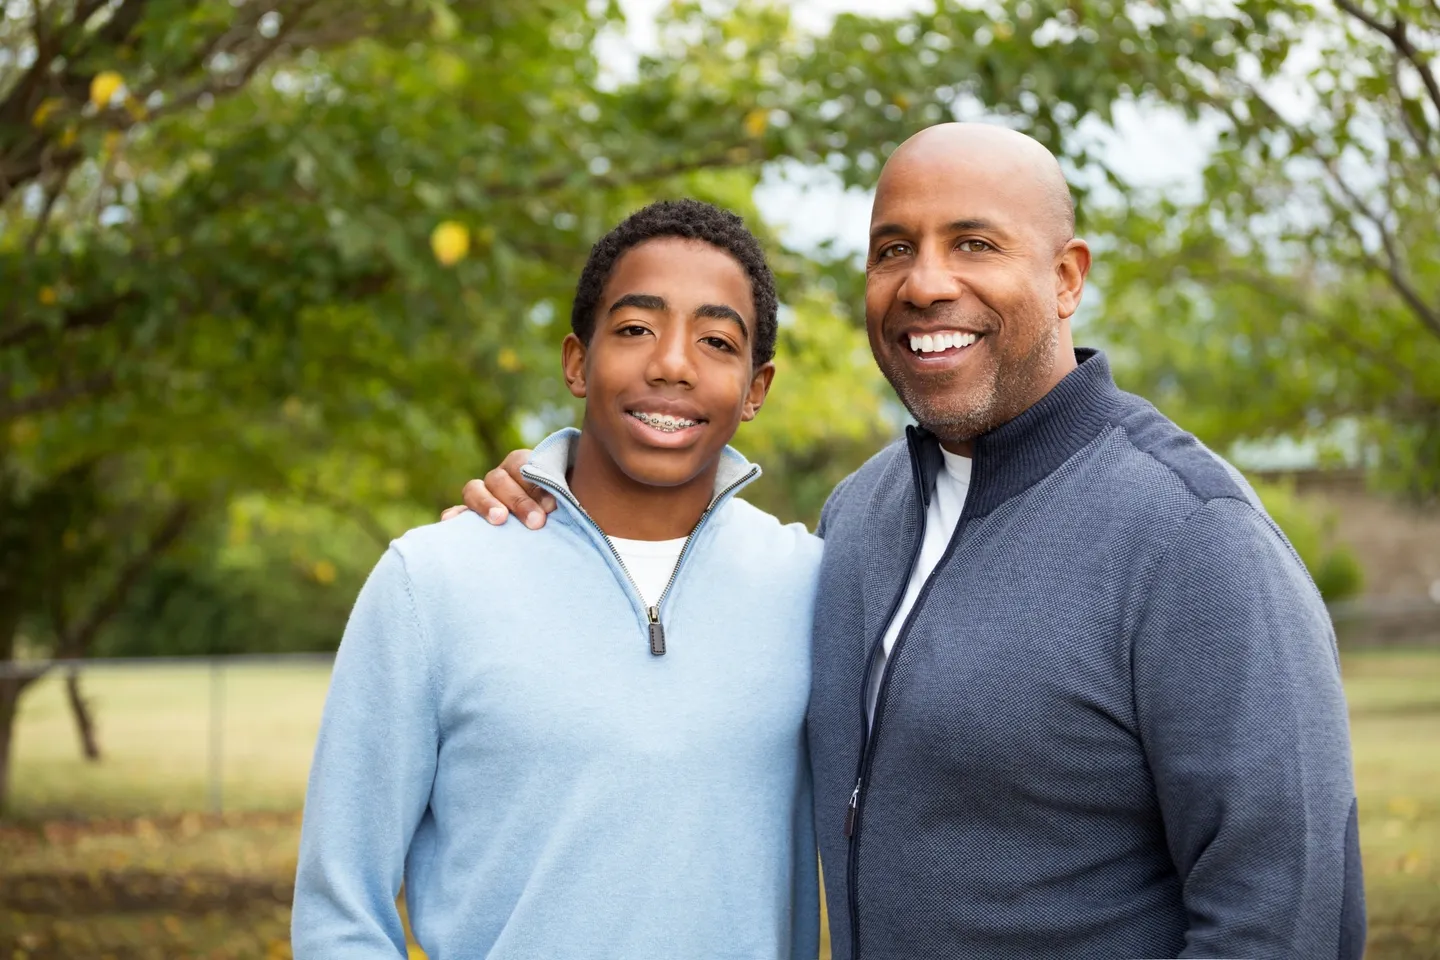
[
  {"x": 718, "y": 343},
  {"x": 633, "y": 330}
]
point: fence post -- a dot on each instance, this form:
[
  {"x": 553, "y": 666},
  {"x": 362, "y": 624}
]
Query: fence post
[{"x": 217, "y": 736}]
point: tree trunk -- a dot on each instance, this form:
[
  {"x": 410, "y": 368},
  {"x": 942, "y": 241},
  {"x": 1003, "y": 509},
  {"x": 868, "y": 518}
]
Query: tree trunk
[
  {"x": 10, "y": 690},
  {"x": 84, "y": 721}
]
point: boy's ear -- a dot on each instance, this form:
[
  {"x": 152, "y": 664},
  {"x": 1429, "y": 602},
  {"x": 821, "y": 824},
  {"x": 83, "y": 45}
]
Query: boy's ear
[
  {"x": 572, "y": 360},
  {"x": 759, "y": 388}
]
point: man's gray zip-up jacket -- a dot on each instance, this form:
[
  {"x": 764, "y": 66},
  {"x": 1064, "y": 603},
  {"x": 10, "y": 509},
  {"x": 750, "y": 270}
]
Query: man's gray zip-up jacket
[{"x": 1112, "y": 725}]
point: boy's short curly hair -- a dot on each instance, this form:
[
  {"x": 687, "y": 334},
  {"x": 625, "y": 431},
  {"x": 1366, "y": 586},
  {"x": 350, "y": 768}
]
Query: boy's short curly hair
[{"x": 687, "y": 219}]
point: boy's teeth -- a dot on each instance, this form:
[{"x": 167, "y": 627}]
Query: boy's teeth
[
  {"x": 664, "y": 422},
  {"x": 935, "y": 343}
]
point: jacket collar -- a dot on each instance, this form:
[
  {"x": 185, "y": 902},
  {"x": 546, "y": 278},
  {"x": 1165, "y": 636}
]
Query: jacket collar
[
  {"x": 1016, "y": 455},
  {"x": 552, "y": 458}
]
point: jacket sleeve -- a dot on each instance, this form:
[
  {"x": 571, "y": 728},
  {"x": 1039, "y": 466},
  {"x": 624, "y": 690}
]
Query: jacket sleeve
[
  {"x": 371, "y": 777},
  {"x": 832, "y": 504},
  {"x": 1243, "y": 720},
  {"x": 805, "y": 899}
]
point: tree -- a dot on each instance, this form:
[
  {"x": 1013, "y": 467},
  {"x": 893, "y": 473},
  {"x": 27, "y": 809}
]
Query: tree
[
  {"x": 268, "y": 291},
  {"x": 321, "y": 252},
  {"x": 1299, "y": 295}
]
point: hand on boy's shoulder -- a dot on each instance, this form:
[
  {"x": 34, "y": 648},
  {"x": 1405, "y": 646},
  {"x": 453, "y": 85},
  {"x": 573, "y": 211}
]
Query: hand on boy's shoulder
[{"x": 505, "y": 493}]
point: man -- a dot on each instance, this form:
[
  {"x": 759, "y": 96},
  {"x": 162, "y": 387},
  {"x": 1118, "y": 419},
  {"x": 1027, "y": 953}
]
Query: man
[
  {"x": 557, "y": 739},
  {"x": 1074, "y": 694}
]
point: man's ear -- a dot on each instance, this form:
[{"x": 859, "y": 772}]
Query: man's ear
[
  {"x": 759, "y": 388},
  {"x": 1071, "y": 268},
  {"x": 573, "y": 354}
]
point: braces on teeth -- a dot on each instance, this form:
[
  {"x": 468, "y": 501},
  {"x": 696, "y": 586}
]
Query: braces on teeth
[{"x": 664, "y": 422}]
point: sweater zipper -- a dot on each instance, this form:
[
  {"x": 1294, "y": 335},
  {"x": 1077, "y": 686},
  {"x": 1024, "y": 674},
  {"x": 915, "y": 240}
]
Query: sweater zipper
[
  {"x": 654, "y": 628},
  {"x": 870, "y": 728}
]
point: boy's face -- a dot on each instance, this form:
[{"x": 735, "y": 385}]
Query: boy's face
[{"x": 667, "y": 377}]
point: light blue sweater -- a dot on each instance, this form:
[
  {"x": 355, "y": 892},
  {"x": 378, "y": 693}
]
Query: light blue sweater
[{"x": 499, "y": 735}]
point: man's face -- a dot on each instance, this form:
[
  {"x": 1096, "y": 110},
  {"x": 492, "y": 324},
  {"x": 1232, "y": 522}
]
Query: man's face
[
  {"x": 961, "y": 292},
  {"x": 667, "y": 376}
]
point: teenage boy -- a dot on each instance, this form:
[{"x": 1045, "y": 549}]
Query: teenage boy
[{"x": 589, "y": 742}]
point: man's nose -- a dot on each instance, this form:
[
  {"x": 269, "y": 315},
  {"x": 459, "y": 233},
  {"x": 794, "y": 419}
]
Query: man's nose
[{"x": 929, "y": 281}]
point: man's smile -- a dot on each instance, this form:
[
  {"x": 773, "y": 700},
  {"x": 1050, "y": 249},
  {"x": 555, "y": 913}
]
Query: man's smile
[{"x": 939, "y": 341}]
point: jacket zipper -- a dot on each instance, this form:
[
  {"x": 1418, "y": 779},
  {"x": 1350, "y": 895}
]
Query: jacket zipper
[
  {"x": 654, "y": 628},
  {"x": 870, "y": 727}
]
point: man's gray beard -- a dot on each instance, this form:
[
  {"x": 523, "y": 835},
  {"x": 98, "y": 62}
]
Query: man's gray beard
[{"x": 1016, "y": 388}]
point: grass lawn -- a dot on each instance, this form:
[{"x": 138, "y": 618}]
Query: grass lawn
[
  {"x": 154, "y": 731},
  {"x": 147, "y": 875}
]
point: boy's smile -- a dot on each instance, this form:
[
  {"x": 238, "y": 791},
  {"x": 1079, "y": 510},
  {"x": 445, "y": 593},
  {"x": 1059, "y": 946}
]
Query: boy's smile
[
  {"x": 667, "y": 377},
  {"x": 670, "y": 417}
]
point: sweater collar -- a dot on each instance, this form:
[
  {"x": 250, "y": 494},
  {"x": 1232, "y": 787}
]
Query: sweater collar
[
  {"x": 1016, "y": 455},
  {"x": 552, "y": 458}
]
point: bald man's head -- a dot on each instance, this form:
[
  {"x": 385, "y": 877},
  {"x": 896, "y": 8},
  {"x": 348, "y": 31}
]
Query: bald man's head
[
  {"x": 1013, "y": 154},
  {"x": 972, "y": 275}
]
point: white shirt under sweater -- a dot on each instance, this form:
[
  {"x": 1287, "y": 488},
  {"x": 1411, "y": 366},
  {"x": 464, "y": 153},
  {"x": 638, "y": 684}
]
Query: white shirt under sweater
[
  {"x": 650, "y": 563},
  {"x": 947, "y": 500}
]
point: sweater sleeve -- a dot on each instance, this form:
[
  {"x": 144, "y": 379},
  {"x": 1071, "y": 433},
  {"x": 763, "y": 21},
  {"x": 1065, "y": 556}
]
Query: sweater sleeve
[
  {"x": 370, "y": 781},
  {"x": 1243, "y": 720}
]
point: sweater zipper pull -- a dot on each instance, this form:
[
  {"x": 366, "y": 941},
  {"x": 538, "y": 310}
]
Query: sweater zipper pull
[
  {"x": 657, "y": 632},
  {"x": 850, "y": 811}
]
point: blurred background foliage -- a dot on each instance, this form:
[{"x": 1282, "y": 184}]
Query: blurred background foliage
[{"x": 277, "y": 277}]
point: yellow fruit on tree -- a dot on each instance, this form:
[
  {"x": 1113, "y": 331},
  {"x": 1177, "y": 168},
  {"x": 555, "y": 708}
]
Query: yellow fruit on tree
[
  {"x": 450, "y": 241},
  {"x": 47, "y": 107},
  {"x": 756, "y": 121},
  {"x": 104, "y": 87},
  {"x": 323, "y": 572}
]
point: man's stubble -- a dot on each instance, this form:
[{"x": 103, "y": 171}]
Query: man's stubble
[{"x": 1013, "y": 388}]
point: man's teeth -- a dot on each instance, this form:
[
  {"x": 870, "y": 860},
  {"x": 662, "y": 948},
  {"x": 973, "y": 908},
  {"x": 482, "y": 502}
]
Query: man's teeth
[
  {"x": 934, "y": 343},
  {"x": 664, "y": 422}
]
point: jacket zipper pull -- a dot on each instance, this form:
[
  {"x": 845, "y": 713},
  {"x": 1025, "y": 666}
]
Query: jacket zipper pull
[
  {"x": 657, "y": 632},
  {"x": 850, "y": 811}
]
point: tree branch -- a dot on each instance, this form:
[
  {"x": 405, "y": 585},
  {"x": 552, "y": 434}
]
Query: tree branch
[
  {"x": 95, "y": 315},
  {"x": 1421, "y": 138},
  {"x": 1393, "y": 262},
  {"x": 1391, "y": 269},
  {"x": 76, "y": 643},
  {"x": 1269, "y": 286},
  {"x": 43, "y": 220},
  {"x": 234, "y": 81},
  {"x": 1398, "y": 37},
  {"x": 57, "y": 398}
]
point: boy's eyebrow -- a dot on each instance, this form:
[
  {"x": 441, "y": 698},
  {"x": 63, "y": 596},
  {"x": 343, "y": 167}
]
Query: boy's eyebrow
[
  {"x": 719, "y": 311},
  {"x": 640, "y": 301},
  {"x": 712, "y": 311}
]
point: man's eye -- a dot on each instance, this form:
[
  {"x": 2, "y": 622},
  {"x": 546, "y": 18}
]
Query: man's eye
[
  {"x": 894, "y": 250},
  {"x": 974, "y": 246}
]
